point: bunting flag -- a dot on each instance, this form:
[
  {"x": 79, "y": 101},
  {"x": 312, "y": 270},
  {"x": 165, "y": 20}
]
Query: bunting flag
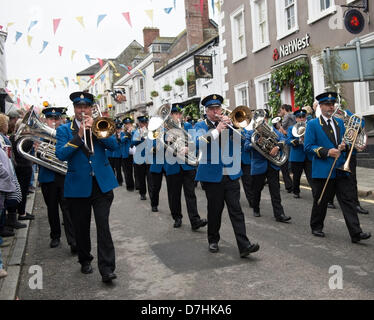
[
  {"x": 32, "y": 24},
  {"x": 88, "y": 58},
  {"x": 63, "y": 83},
  {"x": 218, "y": 6},
  {"x": 27, "y": 82},
  {"x": 112, "y": 64},
  {"x": 102, "y": 77},
  {"x": 45, "y": 44},
  {"x": 100, "y": 62},
  {"x": 18, "y": 35},
  {"x": 80, "y": 20},
  {"x": 38, "y": 90},
  {"x": 73, "y": 52},
  {"x": 149, "y": 14},
  {"x": 167, "y": 10},
  {"x": 67, "y": 81},
  {"x": 1, "y": 27},
  {"x": 79, "y": 80},
  {"x": 56, "y": 23},
  {"x": 127, "y": 17},
  {"x": 60, "y": 50},
  {"x": 29, "y": 39},
  {"x": 141, "y": 72},
  {"x": 30, "y": 90},
  {"x": 53, "y": 81},
  {"x": 100, "y": 18},
  {"x": 9, "y": 24},
  {"x": 212, "y": 3}
]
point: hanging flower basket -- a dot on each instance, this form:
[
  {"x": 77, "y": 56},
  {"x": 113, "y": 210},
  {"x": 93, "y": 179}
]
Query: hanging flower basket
[
  {"x": 179, "y": 82},
  {"x": 190, "y": 77},
  {"x": 167, "y": 87},
  {"x": 154, "y": 94}
]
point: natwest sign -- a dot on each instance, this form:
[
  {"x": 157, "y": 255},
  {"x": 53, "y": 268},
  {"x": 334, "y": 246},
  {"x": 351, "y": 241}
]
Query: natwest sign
[{"x": 291, "y": 47}]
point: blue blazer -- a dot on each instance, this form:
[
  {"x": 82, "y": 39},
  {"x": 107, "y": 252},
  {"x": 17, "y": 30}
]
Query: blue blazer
[
  {"x": 318, "y": 140},
  {"x": 246, "y": 154},
  {"x": 207, "y": 171},
  {"x": 126, "y": 144},
  {"x": 82, "y": 166},
  {"x": 259, "y": 164},
  {"x": 46, "y": 175},
  {"x": 117, "y": 153},
  {"x": 297, "y": 153}
]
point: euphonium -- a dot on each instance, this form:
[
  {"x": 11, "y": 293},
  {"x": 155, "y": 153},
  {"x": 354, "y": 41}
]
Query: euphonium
[
  {"x": 298, "y": 130},
  {"x": 264, "y": 139},
  {"x": 32, "y": 129}
]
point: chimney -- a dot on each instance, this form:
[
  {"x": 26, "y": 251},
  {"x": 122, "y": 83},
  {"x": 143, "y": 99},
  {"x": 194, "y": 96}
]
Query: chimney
[
  {"x": 197, "y": 19},
  {"x": 149, "y": 35}
]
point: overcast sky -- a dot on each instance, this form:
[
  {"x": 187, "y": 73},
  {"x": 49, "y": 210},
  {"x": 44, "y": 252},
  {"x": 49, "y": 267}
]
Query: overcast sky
[{"x": 106, "y": 41}]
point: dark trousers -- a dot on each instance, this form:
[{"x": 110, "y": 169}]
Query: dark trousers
[
  {"x": 226, "y": 191},
  {"x": 128, "y": 169},
  {"x": 353, "y": 178},
  {"x": 272, "y": 177},
  {"x": 143, "y": 177},
  {"x": 53, "y": 194},
  {"x": 117, "y": 167},
  {"x": 80, "y": 209},
  {"x": 297, "y": 170},
  {"x": 247, "y": 182},
  {"x": 286, "y": 176},
  {"x": 175, "y": 182},
  {"x": 24, "y": 177},
  {"x": 343, "y": 189},
  {"x": 155, "y": 183}
]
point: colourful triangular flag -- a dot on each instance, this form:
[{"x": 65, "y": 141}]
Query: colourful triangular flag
[
  {"x": 112, "y": 64},
  {"x": 32, "y": 24},
  {"x": 73, "y": 52},
  {"x": 149, "y": 14},
  {"x": 1, "y": 27},
  {"x": 45, "y": 44},
  {"x": 100, "y": 62},
  {"x": 127, "y": 17},
  {"x": 218, "y": 6},
  {"x": 102, "y": 77},
  {"x": 141, "y": 72},
  {"x": 56, "y": 23},
  {"x": 67, "y": 81},
  {"x": 27, "y": 82},
  {"x": 167, "y": 10},
  {"x": 29, "y": 39},
  {"x": 80, "y": 20},
  {"x": 9, "y": 24},
  {"x": 100, "y": 18},
  {"x": 60, "y": 50},
  {"x": 88, "y": 58},
  {"x": 18, "y": 35}
]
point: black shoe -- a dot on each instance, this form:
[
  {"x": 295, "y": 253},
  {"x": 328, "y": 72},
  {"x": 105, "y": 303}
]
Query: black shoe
[
  {"x": 361, "y": 236},
  {"x": 213, "y": 247},
  {"x": 256, "y": 214},
  {"x": 251, "y": 248},
  {"x": 107, "y": 278},
  {"x": 177, "y": 223},
  {"x": 289, "y": 190},
  {"x": 362, "y": 210},
  {"x": 283, "y": 218},
  {"x": 296, "y": 196},
  {"x": 143, "y": 197},
  {"x": 86, "y": 268},
  {"x": 26, "y": 216},
  {"x": 19, "y": 225},
  {"x": 200, "y": 224},
  {"x": 154, "y": 209},
  {"x": 54, "y": 243},
  {"x": 331, "y": 205},
  {"x": 130, "y": 189},
  {"x": 318, "y": 233},
  {"x": 6, "y": 233},
  {"x": 73, "y": 250}
]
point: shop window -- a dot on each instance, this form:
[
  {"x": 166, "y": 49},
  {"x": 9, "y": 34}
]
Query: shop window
[
  {"x": 287, "y": 22},
  {"x": 260, "y": 30},
  {"x": 238, "y": 34},
  {"x": 318, "y": 9},
  {"x": 241, "y": 94}
]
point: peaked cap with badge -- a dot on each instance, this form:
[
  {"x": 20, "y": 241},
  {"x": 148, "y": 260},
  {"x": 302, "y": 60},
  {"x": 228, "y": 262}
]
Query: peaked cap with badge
[
  {"x": 81, "y": 97},
  {"x": 327, "y": 98},
  {"x": 213, "y": 100}
]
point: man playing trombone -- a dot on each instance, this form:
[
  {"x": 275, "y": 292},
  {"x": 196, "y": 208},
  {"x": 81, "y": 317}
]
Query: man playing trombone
[
  {"x": 89, "y": 184},
  {"x": 324, "y": 138}
]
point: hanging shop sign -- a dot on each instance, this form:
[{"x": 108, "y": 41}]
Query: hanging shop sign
[{"x": 291, "y": 47}]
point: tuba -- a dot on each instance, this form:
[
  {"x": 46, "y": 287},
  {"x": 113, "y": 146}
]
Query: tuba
[
  {"x": 176, "y": 140},
  {"x": 32, "y": 129},
  {"x": 264, "y": 139}
]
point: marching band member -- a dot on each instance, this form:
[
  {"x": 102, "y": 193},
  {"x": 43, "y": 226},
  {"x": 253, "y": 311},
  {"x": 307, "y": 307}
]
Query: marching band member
[
  {"x": 141, "y": 169},
  {"x": 52, "y": 185},
  {"x": 89, "y": 183},
  {"x": 246, "y": 178},
  {"x": 219, "y": 186},
  {"x": 261, "y": 169},
  {"x": 299, "y": 159},
  {"x": 127, "y": 158},
  {"x": 178, "y": 176},
  {"x": 323, "y": 138},
  {"x": 116, "y": 155}
]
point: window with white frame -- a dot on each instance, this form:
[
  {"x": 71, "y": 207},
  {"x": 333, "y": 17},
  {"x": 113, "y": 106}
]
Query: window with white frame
[
  {"x": 238, "y": 34},
  {"x": 260, "y": 29},
  {"x": 241, "y": 94},
  {"x": 286, "y": 13},
  {"x": 371, "y": 93},
  {"x": 318, "y": 9},
  {"x": 263, "y": 87}
]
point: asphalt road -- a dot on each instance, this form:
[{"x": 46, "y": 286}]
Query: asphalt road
[{"x": 156, "y": 261}]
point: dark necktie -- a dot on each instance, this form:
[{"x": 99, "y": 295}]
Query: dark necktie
[
  {"x": 216, "y": 123},
  {"x": 331, "y": 129}
]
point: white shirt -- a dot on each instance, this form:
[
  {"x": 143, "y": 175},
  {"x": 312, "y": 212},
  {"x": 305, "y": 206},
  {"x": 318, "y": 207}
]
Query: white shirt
[{"x": 332, "y": 125}]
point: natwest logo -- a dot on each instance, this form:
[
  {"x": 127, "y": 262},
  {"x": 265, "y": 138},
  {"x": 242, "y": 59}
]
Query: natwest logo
[{"x": 291, "y": 47}]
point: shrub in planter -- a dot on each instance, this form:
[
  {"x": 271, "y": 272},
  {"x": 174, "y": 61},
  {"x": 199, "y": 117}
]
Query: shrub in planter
[
  {"x": 167, "y": 87},
  {"x": 179, "y": 82},
  {"x": 154, "y": 94}
]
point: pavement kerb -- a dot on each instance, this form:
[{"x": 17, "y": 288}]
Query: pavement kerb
[{"x": 13, "y": 264}]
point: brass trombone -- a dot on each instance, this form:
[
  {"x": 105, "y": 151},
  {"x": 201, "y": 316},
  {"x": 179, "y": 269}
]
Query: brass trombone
[{"x": 240, "y": 118}]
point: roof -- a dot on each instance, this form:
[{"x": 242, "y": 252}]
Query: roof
[
  {"x": 168, "y": 40},
  {"x": 91, "y": 69}
]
